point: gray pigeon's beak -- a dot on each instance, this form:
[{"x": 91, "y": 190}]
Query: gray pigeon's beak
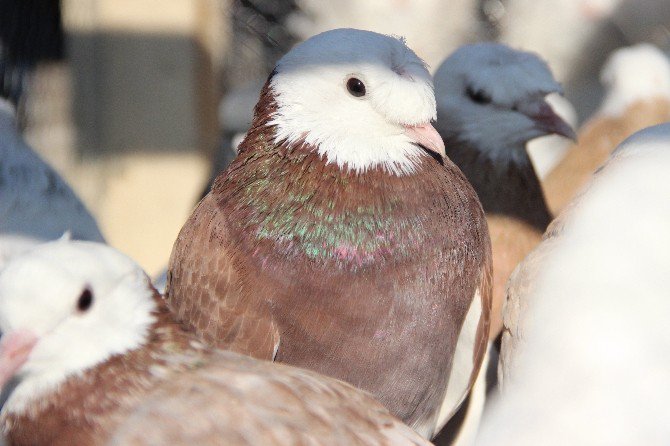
[
  {"x": 548, "y": 122},
  {"x": 427, "y": 137},
  {"x": 15, "y": 347}
]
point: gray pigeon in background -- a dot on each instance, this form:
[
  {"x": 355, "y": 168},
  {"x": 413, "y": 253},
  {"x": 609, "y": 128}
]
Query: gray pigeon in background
[{"x": 36, "y": 204}]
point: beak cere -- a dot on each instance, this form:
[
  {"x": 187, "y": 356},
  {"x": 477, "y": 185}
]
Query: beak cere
[
  {"x": 547, "y": 121},
  {"x": 427, "y": 137},
  {"x": 15, "y": 347}
]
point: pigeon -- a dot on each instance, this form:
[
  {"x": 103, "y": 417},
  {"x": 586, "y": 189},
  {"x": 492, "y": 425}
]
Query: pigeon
[
  {"x": 341, "y": 239},
  {"x": 490, "y": 103},
  {"x": 36, "y": 204},
  {"x": 637, "y": 79},
  {"x": 430, "y": 26},
  {"x": 586, "y": 324},
  {"x": 236, "y": 111},
  {"x": 91, "y": 355}
]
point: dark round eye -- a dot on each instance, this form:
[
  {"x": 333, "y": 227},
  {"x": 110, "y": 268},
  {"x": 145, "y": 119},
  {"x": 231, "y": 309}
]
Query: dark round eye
[
  {"x": 85, "y": 300},
  {"x": 478, "y": 96},
  {"x": 356, "y": 87}
]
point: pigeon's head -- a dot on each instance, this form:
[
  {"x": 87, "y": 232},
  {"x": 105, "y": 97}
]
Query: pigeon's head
[
  {"x": 64, "y": 307},
  {"x": 363, "y": 100},
  {"x": 493, "y": 97},
  {"x": 636, "y": 73}
]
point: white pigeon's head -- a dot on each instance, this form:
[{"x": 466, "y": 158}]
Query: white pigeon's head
[
  {"x": 64, "y": 307},
  {"x": 362, "y": 99},
  {"x": 636, "y": 73},
  {"x": 493, "y": 97}
]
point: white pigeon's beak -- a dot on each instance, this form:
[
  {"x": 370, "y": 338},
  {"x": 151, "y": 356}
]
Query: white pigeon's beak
[
  {"x": 15, "y": 347},
  {"x": 547, "y": 121},
  {"x": 427, "y": 137}
]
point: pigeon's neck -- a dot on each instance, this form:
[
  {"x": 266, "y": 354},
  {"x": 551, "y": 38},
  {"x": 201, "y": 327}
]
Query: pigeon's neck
[
  {"x": 100, "y": 394},
  {"x": 505, "y": 185},
  {"x": 305, "y": 207}
]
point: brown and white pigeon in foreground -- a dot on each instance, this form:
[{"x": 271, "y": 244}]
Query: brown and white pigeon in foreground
[
  {"x": 585, "y": 350},
  {"x": 90, "y": 355},
  {"x": 490, "y": 103},
  {"x": 637, "y": 79},
  {"x": 341, "y": 239},
  {"x": 36, "y": 204}
]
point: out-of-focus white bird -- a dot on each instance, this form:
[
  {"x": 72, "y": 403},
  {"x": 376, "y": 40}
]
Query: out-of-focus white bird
[
  {"x": 36, "y": 204},
  {"x": 577, "y": 36},
  {"x": 637, "y": 79},
  {"x": 536, "y": 25},
  {"x": 432, "y": 27},
  {"x": 585, "y": 351}
]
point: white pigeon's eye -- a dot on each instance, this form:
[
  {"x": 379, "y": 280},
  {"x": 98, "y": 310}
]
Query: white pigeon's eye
[
  {"x": 356, "y": 87},
  {"x": 85, "y": 300},
  {"x": 478, "y": 96}
]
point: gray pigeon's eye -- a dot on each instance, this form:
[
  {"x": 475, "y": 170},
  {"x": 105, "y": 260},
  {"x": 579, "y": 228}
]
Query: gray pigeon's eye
[
  {"x": 478, "y": 96},
  {"x": 85, "y": 300},
  {"x": 356, "y": 87}
]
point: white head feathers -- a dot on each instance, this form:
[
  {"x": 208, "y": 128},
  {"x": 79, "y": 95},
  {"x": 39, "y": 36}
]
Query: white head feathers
[
  {"x": 310, "y": 84},
  {"x": 41, "y": 293},
  {"x": 636, "y": 73}
]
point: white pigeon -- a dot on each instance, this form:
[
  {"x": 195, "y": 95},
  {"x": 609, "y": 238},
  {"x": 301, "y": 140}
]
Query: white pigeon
[
  {"x": 588, "y": 337},
  {"x": 558, "y": 33},
  {"x": 36, "y": 204},
  {"x": 577, "y": 36},
  {"x": 432, "y": 27},
  {"x": 636, "y": 73}
]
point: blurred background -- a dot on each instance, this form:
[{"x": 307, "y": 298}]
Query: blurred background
[{"x": 137, "y": 102}]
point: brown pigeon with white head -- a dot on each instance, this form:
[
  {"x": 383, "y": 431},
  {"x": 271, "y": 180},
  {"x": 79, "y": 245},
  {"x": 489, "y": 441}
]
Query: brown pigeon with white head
[
  {"x": 341, "y": 239},
  {"x": 490, "y": 103},
  {"x": 90, "y": 355}
]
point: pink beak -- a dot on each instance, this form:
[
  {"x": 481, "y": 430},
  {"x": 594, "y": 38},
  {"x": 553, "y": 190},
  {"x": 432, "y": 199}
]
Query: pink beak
[
  {"x": 15, "y": 347},
  {"x": 427, "y": 137},
  {"x": 547, "y": 121}
]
